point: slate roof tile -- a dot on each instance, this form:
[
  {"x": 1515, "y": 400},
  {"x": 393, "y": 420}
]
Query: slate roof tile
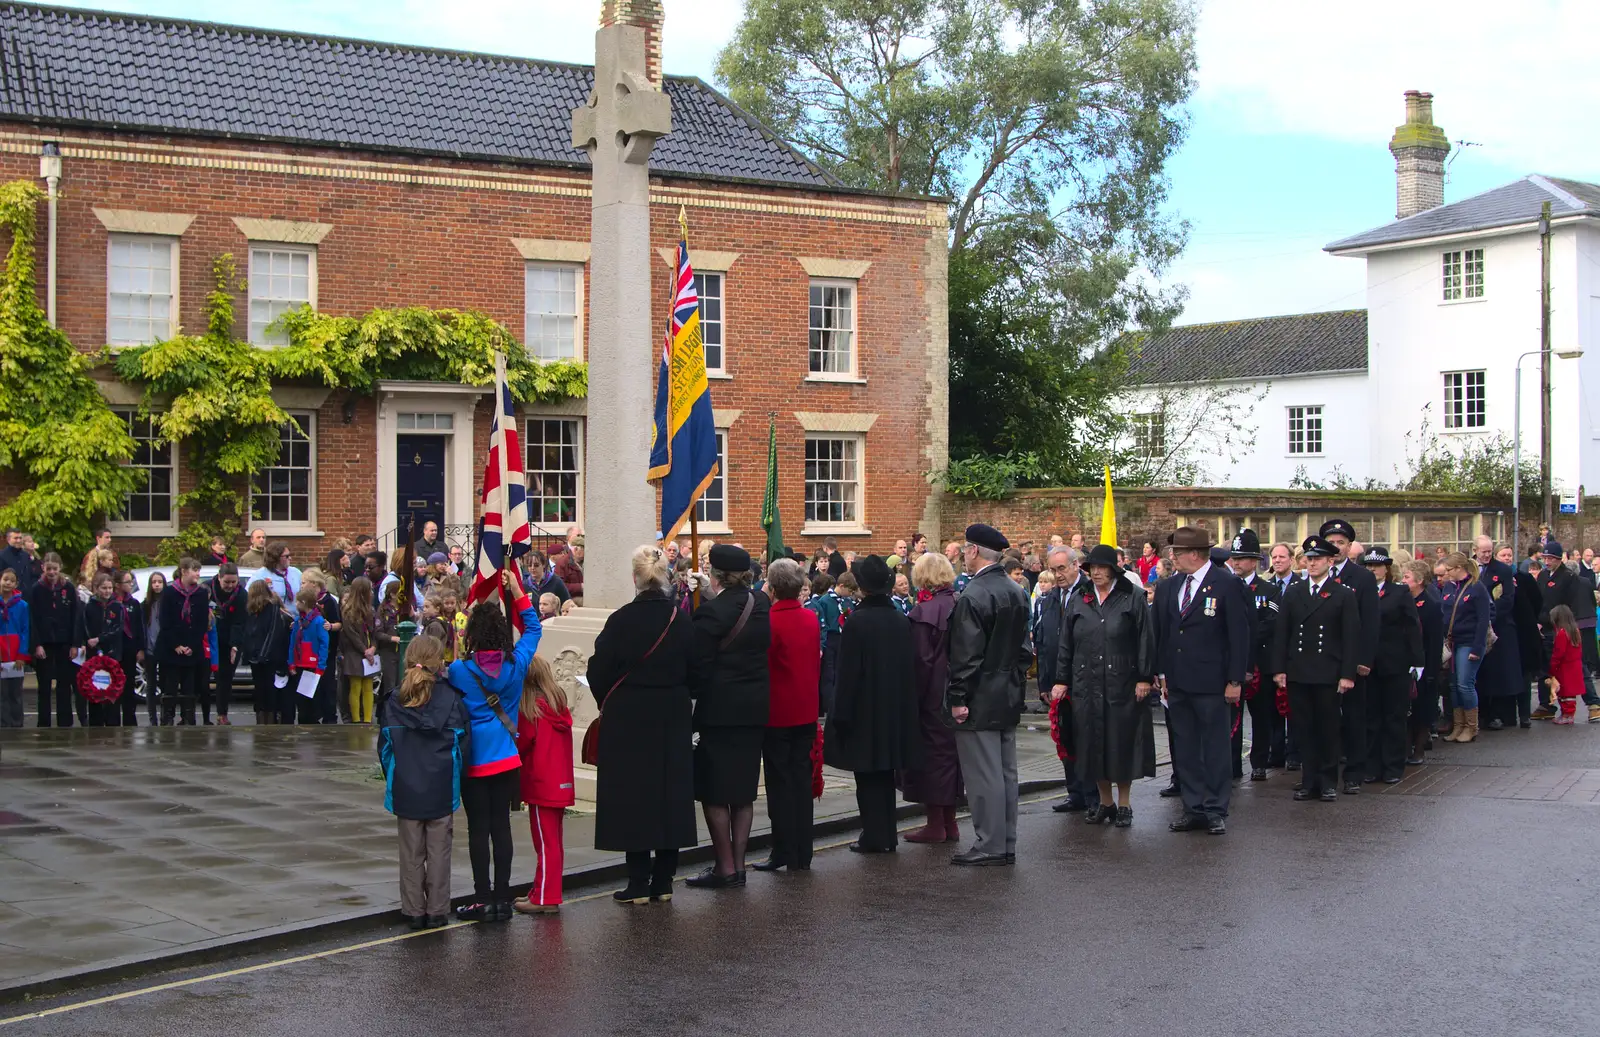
[
  {"x": 1504, "y": 206},
  {"x": 1265, "y": 347}
]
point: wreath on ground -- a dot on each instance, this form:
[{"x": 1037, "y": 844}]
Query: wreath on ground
[{"x": 101, "y": 680}]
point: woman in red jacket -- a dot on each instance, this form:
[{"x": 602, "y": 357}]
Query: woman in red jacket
[
  {"x": 544, "y": 741},
  {"x": 794, "y": 663}
]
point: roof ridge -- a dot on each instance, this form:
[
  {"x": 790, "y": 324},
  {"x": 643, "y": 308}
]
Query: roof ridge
[
  {"x": 88, "y": 13},
  {"x": 1275, "y": 316},
  {"x": 1545, "y": 184}
]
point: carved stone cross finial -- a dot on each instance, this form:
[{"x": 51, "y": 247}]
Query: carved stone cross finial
[{"x": 623, "y": 119}]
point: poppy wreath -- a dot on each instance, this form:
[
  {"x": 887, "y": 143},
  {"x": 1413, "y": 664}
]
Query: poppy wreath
[{"x": 101, "y": 680}]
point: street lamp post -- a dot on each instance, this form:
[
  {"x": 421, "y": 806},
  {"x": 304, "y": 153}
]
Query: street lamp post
[{"x": 1516, "y": 436}]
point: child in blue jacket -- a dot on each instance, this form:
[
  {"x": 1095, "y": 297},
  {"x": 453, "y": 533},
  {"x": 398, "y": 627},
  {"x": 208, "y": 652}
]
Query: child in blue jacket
[
  {"x": 308, "y": 650},
  {"x": 13, "y": 648},
  {"x": 489, "y": 677}
]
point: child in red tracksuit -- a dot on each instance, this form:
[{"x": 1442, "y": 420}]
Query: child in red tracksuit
[
  {"x": 544, "y": 741},
  {"x": 1566, "y": 662}
]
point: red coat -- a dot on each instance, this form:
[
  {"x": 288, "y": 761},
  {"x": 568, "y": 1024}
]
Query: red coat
[
  {"x": 546, "y": 751},
  {"x": 794, "y": 663},
  {"x": 1566, "y": 665}
]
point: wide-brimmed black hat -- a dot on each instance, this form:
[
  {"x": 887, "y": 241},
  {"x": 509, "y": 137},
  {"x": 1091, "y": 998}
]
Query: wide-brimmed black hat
[
  {"x": 987, "y": 536},
  {"x": 1192, "y": 538},
  {"x": 873, "y": 576},
  {"x": 1102, "y": 554},
  {"x": 1377, "y": 555},
  {"x": 1319, "y": 547},
  {"x": 1246, "y": 545},
  {"x": 1337, "y": 526},
  {"x": 729, "y": 559}
]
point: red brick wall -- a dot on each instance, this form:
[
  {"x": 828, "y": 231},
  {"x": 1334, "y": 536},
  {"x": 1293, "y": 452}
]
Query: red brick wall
[{"x": 397, "y": 244}]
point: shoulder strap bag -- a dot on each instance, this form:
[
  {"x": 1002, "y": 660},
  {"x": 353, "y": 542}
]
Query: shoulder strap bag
[
  {"x": 744, "y": 617},
  {"x": 591, "y": 737},
  {"x": 1449, "y": 641},
  {"x": 494, "y": 704}
]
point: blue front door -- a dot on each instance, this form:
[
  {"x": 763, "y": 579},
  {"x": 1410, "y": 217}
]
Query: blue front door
[{"x": 419, "y": 482}]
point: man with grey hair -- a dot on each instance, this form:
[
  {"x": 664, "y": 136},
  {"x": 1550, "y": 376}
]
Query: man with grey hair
[
  {"x": 987, "y": 673},
  {"x": 1063, "y": 563}
]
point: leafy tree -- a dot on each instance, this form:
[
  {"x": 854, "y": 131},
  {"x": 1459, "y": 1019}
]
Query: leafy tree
[
  {"x": 1048, "y": 123},
  {"x": 56, "y": 429}
]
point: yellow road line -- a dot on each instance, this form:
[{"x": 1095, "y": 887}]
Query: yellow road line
[{"x": 332, "y": 952}]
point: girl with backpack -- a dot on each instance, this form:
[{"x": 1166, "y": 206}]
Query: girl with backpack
[
  {"x": 544, "y": 743},
  {"x": 422, "y": 741},
  {"x": 266, "y": 649}
]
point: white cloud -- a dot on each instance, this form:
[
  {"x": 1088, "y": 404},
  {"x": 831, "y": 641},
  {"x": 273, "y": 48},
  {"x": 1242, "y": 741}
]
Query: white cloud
[{"x": 1520, "y": 78}]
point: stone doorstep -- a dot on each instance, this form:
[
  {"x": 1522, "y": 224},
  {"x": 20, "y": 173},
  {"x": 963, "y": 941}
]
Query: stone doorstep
[{"x": 280, "y": 937}]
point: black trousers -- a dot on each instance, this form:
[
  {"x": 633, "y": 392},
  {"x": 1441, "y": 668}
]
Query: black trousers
[
  {"x": 1388, "y": 703},
  {"x": 180, "y": 686},
  {"x": 1202, "y": 724},
  {"x": 152, "y": 688},
  {"x": 1353, "y": 728},
  {"x": 488, "y": 804},
  {"x": 1087, "y": 792},
  {"x": 1172, "y": 744},
  {"x": 786, "y": 759},
  {"x": 264, "y": 692},
  {"x": 55, "y": 672},
  {"x": 1314, "y": 716},
  {"x": 655, "y": 874},
  {"x": 227, "y": 668},
  {"x": 1266, "y": 727},
  {"x": 875, "y": 798},
  {"x": 125, "y": 713}
]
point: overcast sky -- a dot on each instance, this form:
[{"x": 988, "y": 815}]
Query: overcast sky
[{"x": 1290, "y": 125}]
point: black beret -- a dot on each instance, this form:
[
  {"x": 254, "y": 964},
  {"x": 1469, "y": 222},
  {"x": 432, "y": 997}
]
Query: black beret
[
  {"x": 987, "y": 536},
  {"x": 873, "y": 576},
  {"x": 730, "y": 559},
  {"x": 1339, "y": 526},
  {"x": 1318, "y": 547}
]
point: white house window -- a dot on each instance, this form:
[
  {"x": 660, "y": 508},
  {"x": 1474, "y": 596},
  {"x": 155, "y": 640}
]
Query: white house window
[
  {"x": 553, "y": 467},
  {"x": 412, "y": 422},
  {"x": 1150, "y": 435},
  {"x": 712, "y": 507},
  {"x": 150, "y": 504},
  {"x": 833, "y": 480},
  {"x": 833, "y": 328},
  {"x": 140, "y": 287},
  {"x": 550, "y": 321},
  {"x": 1305, "y": 430},
  {"x": 1463, "y": 274},
  {"x": 280, "y": 280},
  {"x": 281, "y": 494},
  {"x": 709, "y": 288},
  {"x": 1464, "y": 400}
]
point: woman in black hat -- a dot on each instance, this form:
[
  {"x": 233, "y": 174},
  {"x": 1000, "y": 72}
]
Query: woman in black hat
[
  {"x": 1104, "y": 667},
  {"x": 732, "y": 693},
  {"x": 1396, "y": 666}
]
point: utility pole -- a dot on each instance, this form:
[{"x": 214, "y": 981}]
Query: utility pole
[{"x": 1544, "y": 362}]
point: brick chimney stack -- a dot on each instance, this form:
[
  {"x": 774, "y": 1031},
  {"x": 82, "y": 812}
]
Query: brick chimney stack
[
  {"x": 1419, "y": 148},
  {"x": 647, "y": 15}
]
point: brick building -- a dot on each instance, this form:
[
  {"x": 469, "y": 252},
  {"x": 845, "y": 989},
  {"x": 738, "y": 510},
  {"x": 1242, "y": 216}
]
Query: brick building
[{"x": 350, "y": 175}]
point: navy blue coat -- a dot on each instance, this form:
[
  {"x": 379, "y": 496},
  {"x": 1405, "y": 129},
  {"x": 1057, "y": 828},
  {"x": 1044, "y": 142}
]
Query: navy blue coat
[
  {"x": 422, "y": 750},
  {"x": 1500, "y": 675},
  {"x": 1208, "y": 647},
  {"x": 1360, "y": 579}
]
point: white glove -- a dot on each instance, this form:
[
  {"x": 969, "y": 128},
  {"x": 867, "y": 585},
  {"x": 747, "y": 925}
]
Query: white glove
[
  {"x": 1416, "y": 673},
  {"x": 700, "y": 582}
]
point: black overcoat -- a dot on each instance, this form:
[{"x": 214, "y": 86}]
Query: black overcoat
[
  {"x": 644, "y": 788},
  {"x": 873, "y": 726},
  {"x": 1500, "y": 673},
  {"x": 1525, "y": 613},
  {"x": 1399, "y": 632},
  {"x": 733, "y": 684},
  {"x": 1106, "y": 649}
]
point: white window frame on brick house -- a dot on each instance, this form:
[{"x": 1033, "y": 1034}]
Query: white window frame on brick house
[
  {"x": 536, "y": 467},
  {"x": 1461, "y": 275},
  {"x": 820, "y": 327},
  {"x": 1466, "y": 407},
  {"x": 1150, "y": 435},
  {"x": 713, "y": 325},
  {"x": 300, "y": 423},
  {"x": 551, "y": 318},
  {"x": 272, "y": 292},
  {"x": 856, "y": 443},
  {"x": 1308, "y": 431},
  {"x": 146, "y": 457},
  {"x": 717, "y": 492},
  {"x": 124, "y": 274}
]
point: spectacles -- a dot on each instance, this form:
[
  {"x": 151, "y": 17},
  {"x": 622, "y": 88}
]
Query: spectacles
[{"x": 1061, "y": 570}]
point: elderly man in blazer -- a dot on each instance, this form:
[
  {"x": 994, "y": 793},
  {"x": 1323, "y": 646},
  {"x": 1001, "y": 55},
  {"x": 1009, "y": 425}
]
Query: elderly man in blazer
[{"x": 1202, "y": 626}]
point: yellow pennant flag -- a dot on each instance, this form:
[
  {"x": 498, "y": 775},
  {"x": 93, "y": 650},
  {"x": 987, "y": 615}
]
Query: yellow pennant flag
[{"x": 1108, "y": 515}]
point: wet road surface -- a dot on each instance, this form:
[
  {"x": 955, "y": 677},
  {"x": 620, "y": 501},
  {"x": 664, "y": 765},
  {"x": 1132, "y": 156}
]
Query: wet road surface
[{"x": 1381, "y": 914}]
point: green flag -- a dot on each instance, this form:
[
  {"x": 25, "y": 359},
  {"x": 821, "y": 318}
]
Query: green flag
[{"x": 769, "y": 507}]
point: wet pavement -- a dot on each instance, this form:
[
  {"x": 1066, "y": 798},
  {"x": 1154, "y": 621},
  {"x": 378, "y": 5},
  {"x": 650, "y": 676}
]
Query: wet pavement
[
  {"x": 1389, "y": 913},
  {"x": 118, "y": 845}
]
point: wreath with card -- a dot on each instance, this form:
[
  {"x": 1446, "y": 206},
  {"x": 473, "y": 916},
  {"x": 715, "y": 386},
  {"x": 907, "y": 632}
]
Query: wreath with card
[{"x": 101, "y": 680}]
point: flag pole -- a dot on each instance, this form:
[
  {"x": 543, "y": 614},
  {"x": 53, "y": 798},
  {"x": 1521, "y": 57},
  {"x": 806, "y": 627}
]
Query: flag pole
[
  {"x": 505, "y": 476},
  {"x": 694, "y": 510}
]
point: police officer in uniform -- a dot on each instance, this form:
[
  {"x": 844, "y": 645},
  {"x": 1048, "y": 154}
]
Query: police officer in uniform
[
  {"x": 1266, "y": 726},
  {"x": 1315, "y": 651},
  {"x": 1353, "y": 703}
]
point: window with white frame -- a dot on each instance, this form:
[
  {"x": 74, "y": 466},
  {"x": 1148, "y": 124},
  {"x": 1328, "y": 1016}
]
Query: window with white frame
[
  {"x": 553, "y": 468},
  {"x": 712, "y": 507},
  {"x": 1305, "y": 430},
  {"x": 281, "y": 279},
  {"x": 552, "y": 302},
  {"x": 833, "y": 328},
  {"x": 282, "y": 494},
  {"x": 1463, "y": 274},
  {"x": 1150, "y": 435},
  {"x": 1464, "y": 400},
  {"x": 833, "y": 480},
  {"x": 141, "y": 285},
  {"x": 150, "y": 503},
  {"x": 709, "y": 288}
]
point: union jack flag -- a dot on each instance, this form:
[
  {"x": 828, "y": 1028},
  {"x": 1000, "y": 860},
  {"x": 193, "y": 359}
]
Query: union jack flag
[{"x": 504, "y": 534}]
